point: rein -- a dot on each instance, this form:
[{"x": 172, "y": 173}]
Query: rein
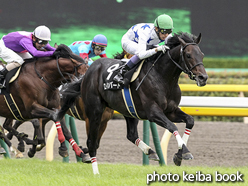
[
  {"x": 61, "y": 74},
  {"x": 42, "y": 78},
  {"x": 186, "y": 70},
  {"x": 148, "y": 72}
]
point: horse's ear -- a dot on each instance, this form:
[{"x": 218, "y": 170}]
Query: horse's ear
[
  {"x": 198, "y": 39},
  {"x": 56, "y": 45},
  {"x": 181, "y": 41}
]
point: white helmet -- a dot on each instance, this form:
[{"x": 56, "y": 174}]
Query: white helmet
[{"x": 42, "y": 32}]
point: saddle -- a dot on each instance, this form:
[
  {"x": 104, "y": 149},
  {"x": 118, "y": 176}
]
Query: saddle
[
  {"x": 11, "y": 77},
  {"x": 130, "y": 76}
]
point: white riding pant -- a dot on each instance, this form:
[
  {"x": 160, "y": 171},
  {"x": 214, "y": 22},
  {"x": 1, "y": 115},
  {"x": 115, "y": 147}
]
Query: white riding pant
[{"x": 10, "y": 56}]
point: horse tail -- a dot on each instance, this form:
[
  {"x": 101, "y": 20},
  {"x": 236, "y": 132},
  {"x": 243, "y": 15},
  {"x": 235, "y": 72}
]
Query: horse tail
[{"x": 69, "y": 95}]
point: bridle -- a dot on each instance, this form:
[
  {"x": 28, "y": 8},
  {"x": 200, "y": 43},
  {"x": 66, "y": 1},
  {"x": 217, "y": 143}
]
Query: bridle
[
  {"x": 61, "y": 74},
  {"x": 186, "y": 70}
]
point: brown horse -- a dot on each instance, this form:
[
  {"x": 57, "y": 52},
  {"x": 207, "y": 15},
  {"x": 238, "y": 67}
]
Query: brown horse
[{"x": 35, "y": 92}]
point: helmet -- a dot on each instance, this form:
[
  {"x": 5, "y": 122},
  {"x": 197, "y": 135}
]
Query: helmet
[
  {"x": 163, "y": 22},
  {"x": 100, "y": 40},
  {"x": 43, "y": 33}
]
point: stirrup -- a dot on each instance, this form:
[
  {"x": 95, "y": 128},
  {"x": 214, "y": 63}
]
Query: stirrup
[
  {"x": 118, "y": 78},
  {"x": 2, "y": 85}
]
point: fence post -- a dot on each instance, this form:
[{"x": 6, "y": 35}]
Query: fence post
[
  {"x": 3, "y": 144},
  {"x": 146, "y": 136},
  {"x": 74, "y": 135},
  {"x": 156, "y": 142},
  {"x": 66, "y": 159}
]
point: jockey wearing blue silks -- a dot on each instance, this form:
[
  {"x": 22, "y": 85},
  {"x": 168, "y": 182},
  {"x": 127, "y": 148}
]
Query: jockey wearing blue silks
[{"x": 89, "y": 49}]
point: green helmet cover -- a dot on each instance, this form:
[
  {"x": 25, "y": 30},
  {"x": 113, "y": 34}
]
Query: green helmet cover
[{"x": 164, "y": 22}]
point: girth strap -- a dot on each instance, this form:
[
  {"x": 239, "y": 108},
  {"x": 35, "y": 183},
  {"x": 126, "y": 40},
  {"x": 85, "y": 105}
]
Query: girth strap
[
  {"x": 13, "y": 107},
  {"x": 74, "y": 112}
]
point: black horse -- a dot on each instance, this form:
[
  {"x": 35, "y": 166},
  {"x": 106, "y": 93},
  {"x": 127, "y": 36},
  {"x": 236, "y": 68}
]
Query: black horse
[{"x": 155, "y": 94}]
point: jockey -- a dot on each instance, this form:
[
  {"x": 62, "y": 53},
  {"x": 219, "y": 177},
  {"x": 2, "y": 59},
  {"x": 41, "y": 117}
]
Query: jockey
[
  {"x": 90, "y": 49},
  {"x": 140, "y": 40},
  {"x": 20, "y": 45}
]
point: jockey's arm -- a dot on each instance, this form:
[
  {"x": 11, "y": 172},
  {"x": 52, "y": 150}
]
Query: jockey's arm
[
  {"x": 142, "y": 53},
  {"x": 48, "y": 47},
  {"x": 28, "y": 45}
]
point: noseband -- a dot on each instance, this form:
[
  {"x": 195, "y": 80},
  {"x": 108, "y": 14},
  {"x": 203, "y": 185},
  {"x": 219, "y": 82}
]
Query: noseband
[{"x": 186, "y": 70}]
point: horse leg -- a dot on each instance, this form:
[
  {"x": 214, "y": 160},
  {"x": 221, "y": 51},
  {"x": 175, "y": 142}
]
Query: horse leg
[
  {"x": 36, "y": 125},
  {"x": 156, "y": 115},
  {"x": 72, "y": 142},
  {"x": 179, "y": 116},
  {"x": 93, "y": 134},
  {"x": 132, "y": 135},
  {"x": 17, "y": 153},
  {"x": 15, "y": 126},
  {"x": 41, "y": 141},
  {"x": 20, "y": 136}
]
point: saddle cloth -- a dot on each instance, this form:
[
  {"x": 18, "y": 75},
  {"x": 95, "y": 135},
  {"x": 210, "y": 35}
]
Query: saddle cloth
[{"x": 109, "y": 74}]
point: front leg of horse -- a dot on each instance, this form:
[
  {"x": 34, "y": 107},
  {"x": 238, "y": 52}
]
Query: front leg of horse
[
  {"x": 79, "y": 152},
  {"x": 159, "y": 118},
  {"x": 36, "y": 138},
  {"x": 39, "y": 111},
  {"x": 132, "y": 135},
  {"x": 179, "y": 116}
]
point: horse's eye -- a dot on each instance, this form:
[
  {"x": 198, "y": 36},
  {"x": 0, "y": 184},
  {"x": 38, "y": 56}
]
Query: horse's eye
[{"x": 188, "y": 56}]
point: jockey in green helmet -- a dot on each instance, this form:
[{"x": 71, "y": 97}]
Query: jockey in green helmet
[{"x": 142, "y": 40}]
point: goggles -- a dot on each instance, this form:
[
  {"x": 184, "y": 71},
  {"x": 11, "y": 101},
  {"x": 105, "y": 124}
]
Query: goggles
[
  {"x": 165, "y": 31},
  {"x": 98, "y": 47},
  {"x": 41, "y": 42}
]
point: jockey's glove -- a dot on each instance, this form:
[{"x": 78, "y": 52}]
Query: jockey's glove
[{"x": 163, "y": 48}]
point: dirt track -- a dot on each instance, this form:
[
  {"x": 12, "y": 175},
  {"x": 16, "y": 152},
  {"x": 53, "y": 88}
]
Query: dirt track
[{"x": 211, "y": 143}]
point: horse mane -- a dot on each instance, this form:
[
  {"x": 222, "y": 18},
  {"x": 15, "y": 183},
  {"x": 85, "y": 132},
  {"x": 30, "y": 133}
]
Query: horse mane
[
  {"x": 118, "y": 55},
  {"x": 174, "y": 41},
  {"x": 65, "y": 52}
]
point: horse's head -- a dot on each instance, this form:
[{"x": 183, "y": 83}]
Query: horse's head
[
  {"x": 192, "y": 57},
  {"x": 78, "y": 64}
]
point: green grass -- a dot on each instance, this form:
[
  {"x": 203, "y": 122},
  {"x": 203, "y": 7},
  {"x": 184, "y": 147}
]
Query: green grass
[{"x": 40, "y": 172}]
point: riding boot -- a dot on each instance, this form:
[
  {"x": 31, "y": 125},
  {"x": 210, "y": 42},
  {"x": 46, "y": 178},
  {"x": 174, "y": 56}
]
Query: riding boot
[
  {"x": 119, "y": 78},
  {"x": 123, "y": 69},
  {"x": 3, "y": 73}
]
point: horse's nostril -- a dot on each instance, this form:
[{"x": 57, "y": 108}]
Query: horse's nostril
[{"x": 202, "y": 78}]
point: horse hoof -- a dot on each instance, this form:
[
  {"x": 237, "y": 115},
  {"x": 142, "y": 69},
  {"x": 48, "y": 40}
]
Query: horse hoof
[
  {"x": 63, "y": 153},
  {"x": 177, "y": 160},
  {"x": 21, "y": 148},
  {"x": 40, "y": 147},
  {"x": 153, "y": 155},
  {"x": 85, "y": 158},
  {"x": 30, "y": 153},
  {"x": 19, "y": 156},
  {"x": 186, "y": 155},
  {"x": 85, "y": 150}
]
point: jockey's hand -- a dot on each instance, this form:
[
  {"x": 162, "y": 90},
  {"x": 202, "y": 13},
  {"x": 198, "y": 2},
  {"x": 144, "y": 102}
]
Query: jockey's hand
[{"x": 163, "y": 48}]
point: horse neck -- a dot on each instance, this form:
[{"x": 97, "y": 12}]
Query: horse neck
[
  {"x": 167, "y": 69},
  {"x": 49, "y": 70}
]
